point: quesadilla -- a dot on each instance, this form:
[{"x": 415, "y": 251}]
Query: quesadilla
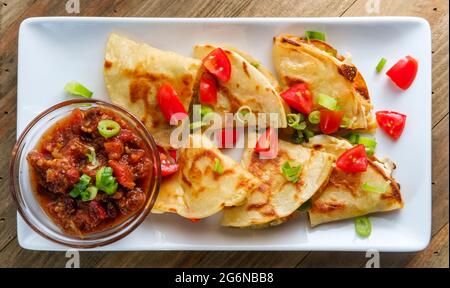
[
  {"x": 206, "y": 182},
  {"x": 248, "y": 86},
  {"x": 349, "y": 195},
  {"x": 317, "y": 64},
  {"x": 279, "y": 197},
  {"x": 135, "y": 71}
]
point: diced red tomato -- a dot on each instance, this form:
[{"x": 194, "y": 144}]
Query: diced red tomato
[
  {"x": 168, "y": 164},
  {"x": 391, "y": 122},
  {"x": 227, "y": 138},
  {"x": 218, "y": 64},
  {"x": 173, "y": 154},
  {"x": 170, "y": 104},
  {"x": 208, "y": 90},
  {"x": 194, "y": 220},
  {"x": 299, "y": 97},
  {"x": 267, "y": 144},
  {"x": 122, "y": 173},
  {"x": 101, "y": 213},
  {"x": 114, "y": 149},
  {"x": 330, "y": 120},
  {"x": 353, "y": 160},
  {"x": 404, "y": 72}
]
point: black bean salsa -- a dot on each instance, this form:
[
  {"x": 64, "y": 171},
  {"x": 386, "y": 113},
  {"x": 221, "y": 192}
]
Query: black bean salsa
[{"x": 90, "y": 171}]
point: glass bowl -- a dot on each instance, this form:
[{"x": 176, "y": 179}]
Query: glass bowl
[{"x": 22, "y": 189}]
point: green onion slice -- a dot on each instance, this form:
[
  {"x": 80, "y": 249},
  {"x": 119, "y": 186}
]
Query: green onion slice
[
  {"x": 308, "y": 134},
  {"x": 196, "y": 125},
  {"x": 218, "y": 166},
  {"x": 296, "y": 121},
  {"x": 205, "y": 110},
  {"x": 108, "y": 128},
  {"x": 381, "y": 64},
  {"x": 315, "y": 35},
  {"x": 105, "y": 181},
  {"x": 305, "y": 206},
  {"x": 352, "y": 137},
  {"x": 291, "y": 172},
  {"x": 374, "y": 189},
  {"x": 256, "y": 65},
  {"x": 75, "y": 88},
  {"x": 89, "y": 194},
  {"x": 363, "y": 226},
  {"x": 243, "y": 111},
  {"x": 345, "y": 123},
  {"x": 327, "y": 102},
  {"x": 369, "y": 143},
  {"x": 80, "y": 186},
  {"x": 314, "y": 117}
]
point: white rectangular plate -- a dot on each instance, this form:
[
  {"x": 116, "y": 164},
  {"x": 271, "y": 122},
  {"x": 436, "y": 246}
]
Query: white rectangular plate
[{"x": 53, "y": 51}]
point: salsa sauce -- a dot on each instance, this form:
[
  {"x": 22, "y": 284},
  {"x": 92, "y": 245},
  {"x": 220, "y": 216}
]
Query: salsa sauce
[{"x": 73, "y": 150}]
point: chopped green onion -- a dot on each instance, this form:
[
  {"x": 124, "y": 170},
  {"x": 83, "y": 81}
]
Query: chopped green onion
[
  {"x": 327, "y": 102},
  {"x": 256, "y": 65},
  {"x": 204, "y": 110},
  {"x": 291, "y": 172},
  {"x": 314, "y": 117},
  {"x": 305, "y": 206},
  {"x": 196, "y": 125},
  {"x": 91, "y": 155},
  {"x": 363, "y": 226},
  {"x": 315, "y": 35},
  {"x": 381, "y": 64},
  {"x": 294, "y": 121},
  {"x": 92, "y": 159},
  {"x": 352, "y": 137},
  {"x": 80, "y": 186},
  {"x": 374, "y": 189},
  {"x": 345, "y": 123},
  {"x": 218, "y": 167},
  {"x": 89, "y": 194},
  {"x": 369, "y": 143},
  {"x": 298, "y": 137},
  {"x": 108, "y": 128},
  {"x": 308, "y": 134},
  {"x": 105, "y": 181},
  {"x": 243, "y": 111},
  {"x": 75, "y": 88}
]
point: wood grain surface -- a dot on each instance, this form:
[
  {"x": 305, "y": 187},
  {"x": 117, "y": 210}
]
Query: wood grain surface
[{"x": 13, "y": 12}]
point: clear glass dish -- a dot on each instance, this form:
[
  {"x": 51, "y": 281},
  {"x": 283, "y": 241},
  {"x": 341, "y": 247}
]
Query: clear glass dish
[{"x": 22, "y": 189}]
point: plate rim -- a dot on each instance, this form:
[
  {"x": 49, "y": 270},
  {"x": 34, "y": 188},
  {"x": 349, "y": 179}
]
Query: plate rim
[{"x": 419, "y": 246}]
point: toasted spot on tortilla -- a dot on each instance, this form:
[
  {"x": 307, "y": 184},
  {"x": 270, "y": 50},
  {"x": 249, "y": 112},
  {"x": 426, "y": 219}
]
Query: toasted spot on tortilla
[
  {"x": 244, "y": 66},
  {"x": 290, "y": 41},
  {"x": 108, "y": 64}
]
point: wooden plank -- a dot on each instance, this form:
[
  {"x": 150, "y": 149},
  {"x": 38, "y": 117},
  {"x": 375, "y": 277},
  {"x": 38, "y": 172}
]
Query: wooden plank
[
  {"x": 436, "y": 255},
  {"x": 440, "y": 174},
  {"x": 435, "y": 11}
]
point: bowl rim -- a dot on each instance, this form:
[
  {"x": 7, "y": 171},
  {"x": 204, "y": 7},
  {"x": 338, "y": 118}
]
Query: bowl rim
[{"x": 139, "y": 215}]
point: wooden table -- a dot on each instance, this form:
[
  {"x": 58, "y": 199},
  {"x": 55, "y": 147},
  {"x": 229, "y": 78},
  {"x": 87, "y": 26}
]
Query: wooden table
[{"x": 12, "y": 12}]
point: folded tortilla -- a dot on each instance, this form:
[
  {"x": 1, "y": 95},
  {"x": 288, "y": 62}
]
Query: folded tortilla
[
  {"x": 277, "y": 198},
  {"x": 196, "y": 190},
  {"x": 133, "y": 74},
  {"x": 248, "y": 86},
  {"x": 317, "y": 64},
  {"x": 343, "y": 197}
]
